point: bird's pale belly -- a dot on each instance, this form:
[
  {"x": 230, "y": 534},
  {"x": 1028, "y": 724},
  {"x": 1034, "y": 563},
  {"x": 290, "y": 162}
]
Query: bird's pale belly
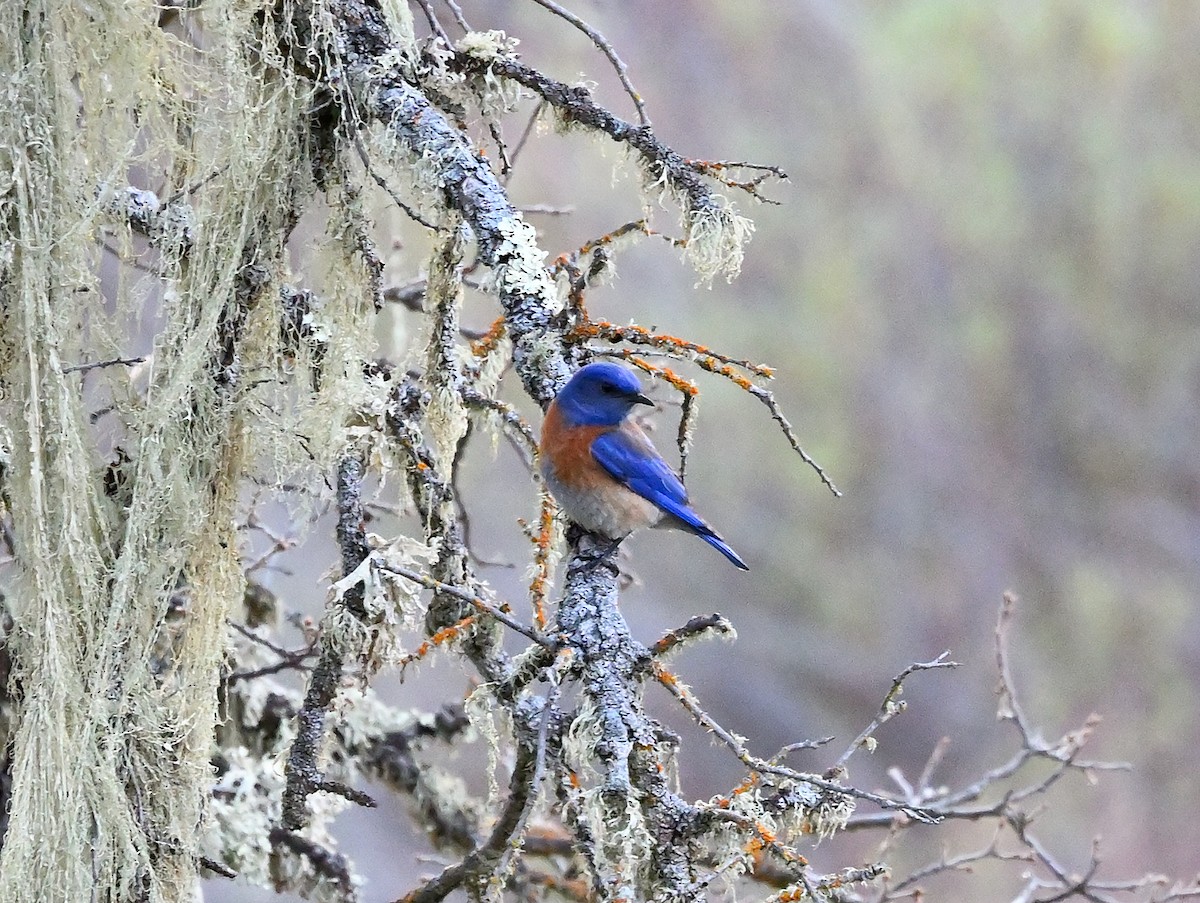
[{"x": 615, "y": 513}]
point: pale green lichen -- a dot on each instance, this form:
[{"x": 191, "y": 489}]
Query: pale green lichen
[
  {"x": 113, "y": 674},
  {"x": 486, "y": 45},
  {"x": 404, "y": 553},
  {"x": 825, "y": 819},
  {"x": 489, "y": 720},
  {"x": 494, "y": 96},
  {"x": 715, "y": 234},
  {"x": 624, "y": 844},
  {"x": 400, "y": 24},
  {"x": 360, "y": 717},
  {"x": 584, "y": 733},
  {"x": 716, "y": 242},
  {"x": 246, "y": 805},
  {"x": 522, "y": 269}
]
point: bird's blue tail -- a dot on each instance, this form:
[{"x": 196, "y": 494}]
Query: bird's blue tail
[
  {"x": 723, "y": 547},
  {"x": 694, "y": 523}
]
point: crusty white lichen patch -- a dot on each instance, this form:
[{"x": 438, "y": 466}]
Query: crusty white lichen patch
[{"x": 521, "y": 263}]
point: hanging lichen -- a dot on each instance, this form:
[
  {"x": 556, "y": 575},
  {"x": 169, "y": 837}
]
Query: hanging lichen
[{"x": 108, "y": 679}]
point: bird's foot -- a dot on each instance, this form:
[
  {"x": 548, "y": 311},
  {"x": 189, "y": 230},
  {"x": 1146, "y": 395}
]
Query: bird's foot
[{"x": 592, "y": 556}]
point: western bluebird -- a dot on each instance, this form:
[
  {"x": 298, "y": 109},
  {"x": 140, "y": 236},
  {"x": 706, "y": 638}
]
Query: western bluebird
[{"x": 602, "y": 468}]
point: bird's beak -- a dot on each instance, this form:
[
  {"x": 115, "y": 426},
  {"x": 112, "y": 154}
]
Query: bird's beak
[{"x": 641, "y": 399}]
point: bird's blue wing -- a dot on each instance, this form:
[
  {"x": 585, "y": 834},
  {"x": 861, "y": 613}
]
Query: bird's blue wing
[{"x": 632, "y": 460}]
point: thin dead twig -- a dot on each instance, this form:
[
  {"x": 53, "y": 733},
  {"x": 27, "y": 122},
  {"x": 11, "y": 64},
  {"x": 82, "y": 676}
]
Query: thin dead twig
[
  {"x": 499, "y": 613},
  {"x": 762, "y": 766},
  {"x": 607, "y": 49},
  {"x": 115, "y": 362},
  {"x": 891, "y": 706}
]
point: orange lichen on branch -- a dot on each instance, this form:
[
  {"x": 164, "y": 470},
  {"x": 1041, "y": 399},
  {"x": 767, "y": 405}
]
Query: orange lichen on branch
[
  {"x": 790, "y": 895},
  {"x": 752, "y": 780},
  {"x": 672, "y": 345},
  {"x": 486, "y": 343},
  {"x": 563, "y": 261},
  {"x": 666, "y": 374},
  {"x": 750, "y": 783},
  {"x": 440, "y": 638},
  {"x": 713, "y": 365},
  {"x": 747, "y": 785},
  {"x": 763, "y": 837},
  {"x": 540, "y": 584},
  {"x": 705, "y": 358},
  {"x": 667, "y": 679}
]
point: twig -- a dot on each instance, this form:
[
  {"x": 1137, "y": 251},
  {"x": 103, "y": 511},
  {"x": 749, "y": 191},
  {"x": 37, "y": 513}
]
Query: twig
[
  {"x": 681, "y": 349},
  {"x": 249, "y": 634},
  {"x": 800, "y": 745},
  {"x": 525, "y": 135},
  {"x": 382, "y": 183},
  {"x": 699, "y": 626},
  {"x": 575, "y": 104},
  {"x": 1072, "y": 885},
  {"x": 508, "y": 416},
  {"x": 434, "y": 25},
  {"x": 714, "y": 168},
  {"x": 125, "y": 361},
  {"x": 953, "y": 863},
  {"x": 761, "y": 766},
  {"x": 489, "y": 858},
  {"x": 303, "y": 775},
  {"x": 216, "y": 867},
  {"x": 548, "y": 209},
  {"x": 456, "y": 11},
  {"x": 605, "y": 48},
  {"x": 550, "y": 714},
  {"x": 325, "y": 862},
  {"x": 891, "y": 706},
  {"x": 768, "y": 398},
  {"x": 543, "y": 539},
  {"x": 1008, "y": 708},
  {"x": 500, "y": 614}
]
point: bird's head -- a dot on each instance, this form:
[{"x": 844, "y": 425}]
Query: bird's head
[{"x": 601, "y": 394}]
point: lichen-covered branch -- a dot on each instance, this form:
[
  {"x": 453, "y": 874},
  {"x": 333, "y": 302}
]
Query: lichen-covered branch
[
  {"x": 367, "y": 51},
  {"x": 303, "y": 773}
]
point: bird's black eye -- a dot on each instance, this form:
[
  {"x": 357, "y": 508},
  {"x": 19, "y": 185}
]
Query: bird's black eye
[{"x": 608, "y": 388}]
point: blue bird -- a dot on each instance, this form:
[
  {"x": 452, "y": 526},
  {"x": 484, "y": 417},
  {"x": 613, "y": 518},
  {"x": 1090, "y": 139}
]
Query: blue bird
[{"x": 602, "y": 468}]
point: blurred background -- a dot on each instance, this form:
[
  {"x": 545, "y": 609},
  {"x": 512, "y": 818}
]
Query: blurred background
[{"x": 980, "y": 294}]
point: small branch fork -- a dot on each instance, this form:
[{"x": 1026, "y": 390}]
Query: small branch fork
[
  {"x": 1046, "y": 878},
  {"x": 717, "y": 168},
  {"x": 891, "y": 707}
]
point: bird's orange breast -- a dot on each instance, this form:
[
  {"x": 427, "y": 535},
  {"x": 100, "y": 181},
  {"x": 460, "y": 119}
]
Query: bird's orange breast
[
  {"x": 588, "y": 493},
  {"x": 566, "y": 451}
]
